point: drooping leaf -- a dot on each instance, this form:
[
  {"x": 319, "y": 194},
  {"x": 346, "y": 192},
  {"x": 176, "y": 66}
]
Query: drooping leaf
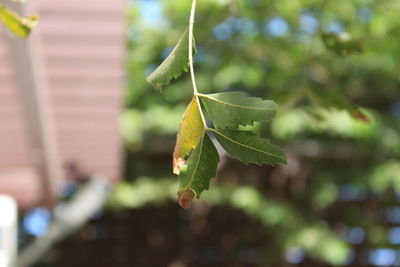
[
  {"x": 196, "y": 175},
  {"x": 19, "y": 26},
  {"x": 248, "y": 147},
  {"x": 231, "y": 109},
  {"x": 189, "y": 135},
  {"x": 332, "y": 99},
  {"x": 342, "y": 44},
  {"x": 173, "y": 66}
]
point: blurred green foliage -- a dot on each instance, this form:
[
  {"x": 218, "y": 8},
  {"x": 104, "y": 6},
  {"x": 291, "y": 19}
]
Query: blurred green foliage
[{"x": 342, "y": 173}]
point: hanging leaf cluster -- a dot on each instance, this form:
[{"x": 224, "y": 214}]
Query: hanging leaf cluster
[
  {"x": 195, "y": 157},
  {"x": 20, "y": 26}
]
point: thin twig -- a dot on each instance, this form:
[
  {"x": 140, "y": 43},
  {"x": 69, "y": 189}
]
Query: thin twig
[
  {"x": 191, "y": 23},
  {"x": 193, "y": 78}
]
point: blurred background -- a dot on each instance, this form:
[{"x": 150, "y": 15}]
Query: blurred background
[{"x": 86, "y": 143}]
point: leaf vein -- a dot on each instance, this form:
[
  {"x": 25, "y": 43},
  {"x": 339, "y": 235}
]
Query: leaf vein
[
  {"x": 197, "y": 163},
  {"x": 246, "y": 146},
  {"x": 234, "y": 105}
]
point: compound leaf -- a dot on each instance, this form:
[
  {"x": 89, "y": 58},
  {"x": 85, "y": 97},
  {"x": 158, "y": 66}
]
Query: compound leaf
[
  {"x": 196, "y": 175},
  {"x": 189, "y": 135},
  {"x": 231, "y": 109},
  {"x": 17, "y": 25},
  {"x": 248, "y": 147},
  {"x": 173, "y": 66}
]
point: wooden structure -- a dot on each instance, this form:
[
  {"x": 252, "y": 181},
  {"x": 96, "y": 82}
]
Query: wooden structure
[{"x": 60, "y": 96}]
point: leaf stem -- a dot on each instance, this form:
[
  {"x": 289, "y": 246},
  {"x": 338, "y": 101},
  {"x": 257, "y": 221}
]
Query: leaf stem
[
  {"x": 201, "y": 112},
  {"x": 191, "y": 67},
  {"x": 191, "y": 23}
]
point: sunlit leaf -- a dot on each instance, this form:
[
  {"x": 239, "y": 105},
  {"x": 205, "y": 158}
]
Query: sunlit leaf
[
  {"x": 173, "y": 66},
  {"x": 19, "y": 26},
  {"x": 196, "y": 175},
  {"x": 189, "y": 135},
  {"x": 231, "y": 109},
  {"x": 248, "y": 147}
]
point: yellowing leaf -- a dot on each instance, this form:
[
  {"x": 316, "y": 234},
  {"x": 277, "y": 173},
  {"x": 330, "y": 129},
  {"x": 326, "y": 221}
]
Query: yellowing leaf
[
  {"x": 189, "y": 135},
  {"x": 19, "y": 26}
]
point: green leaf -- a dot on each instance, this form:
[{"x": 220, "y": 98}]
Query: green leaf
[
  {"x": 332, "y": 99},
  {"x": 19, "y": 26},
  {"x": 173, "y": 66},
  {"x": 190, "y": 133},
  {"x": 199, "y": 169},
  {"x": 342, "y": 44},
  {"x": 248, "y": 147},
  {"x": 231, "y": 109}
]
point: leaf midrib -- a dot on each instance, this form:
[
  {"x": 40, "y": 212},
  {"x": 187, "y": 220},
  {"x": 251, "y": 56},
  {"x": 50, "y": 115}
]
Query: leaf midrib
[
  {"x": 197, "y": 163},
  {"x": 234, "y": 105},
  {"x": 166, "y": 61},
  {"x": 249, "y": 147}
]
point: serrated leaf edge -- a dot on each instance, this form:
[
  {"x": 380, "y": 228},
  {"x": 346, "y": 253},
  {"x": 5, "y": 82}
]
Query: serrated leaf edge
[
  {"x": 158, "y": 86},
  {"x": 236, "y": 105},
  {"x": 246, "y": 146}
]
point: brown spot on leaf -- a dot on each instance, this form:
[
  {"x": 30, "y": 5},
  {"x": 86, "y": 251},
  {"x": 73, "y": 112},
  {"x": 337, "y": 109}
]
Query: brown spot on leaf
[
  {"x": 358, "y": 114},
  {"x": 185, "y": 198},
  {"x": 178, "y": 164},
  {"x": 177, "y": 160},
  {"x": 190, "y": 133}
]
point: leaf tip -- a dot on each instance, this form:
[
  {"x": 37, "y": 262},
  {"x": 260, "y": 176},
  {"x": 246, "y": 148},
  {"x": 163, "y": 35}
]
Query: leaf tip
[
  {"x": 359, "y": 115},
  {"x": 185, "y": 198},
  {"x": 157, "y": 86}
]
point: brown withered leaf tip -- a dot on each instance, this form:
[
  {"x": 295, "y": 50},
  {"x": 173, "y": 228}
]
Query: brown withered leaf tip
[
  {"x": 185, "y": 198},
  {"x": 361, "y": 116}
]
